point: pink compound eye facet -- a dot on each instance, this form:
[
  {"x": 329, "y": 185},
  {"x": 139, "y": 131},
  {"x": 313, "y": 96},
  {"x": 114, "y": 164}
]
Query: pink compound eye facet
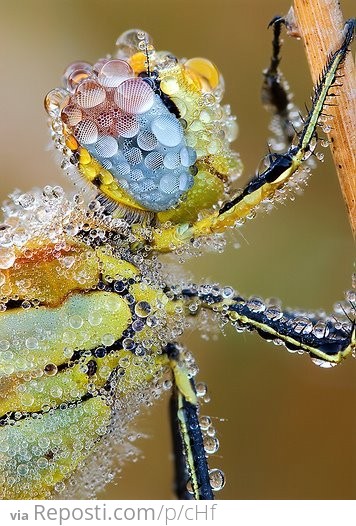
[
  {"x": 115, "y": 111},
  {"x": 71, "y": 115},
  {"x": 86, "y": 132},
  {"x": 90, "y": 94},
  {"x": 126, "y": 125},
  {"x": 134, "y": 96},
  {"x": 114, "y": 72},
  {"x": 104, "y": 120}
]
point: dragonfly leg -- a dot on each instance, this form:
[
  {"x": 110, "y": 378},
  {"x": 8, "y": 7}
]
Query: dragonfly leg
[
  {"x": 327, "y": 339},
  {"x": 275, "y": 94},
  {"x": 282, "y": 166},
  {"x": 191, "y": 466}
]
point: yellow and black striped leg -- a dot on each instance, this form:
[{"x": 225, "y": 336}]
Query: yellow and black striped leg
[
  {"x": 191, "y": 465},
  {"x": 282, "y": 167},
  {"x": 327, "y": 339}
]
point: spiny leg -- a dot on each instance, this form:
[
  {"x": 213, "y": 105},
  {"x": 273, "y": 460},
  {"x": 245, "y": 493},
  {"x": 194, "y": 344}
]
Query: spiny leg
[
  {"x": 264, "y": 185},
  {"x": 274, "y": 93},
  {"x": 328, "y": 340},
  {"x": 190, "y": 456}
]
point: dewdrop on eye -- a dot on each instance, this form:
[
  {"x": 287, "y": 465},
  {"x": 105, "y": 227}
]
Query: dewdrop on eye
[{"x": 140, "y": 121}]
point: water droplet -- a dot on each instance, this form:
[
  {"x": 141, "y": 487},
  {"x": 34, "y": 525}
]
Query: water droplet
[
  {"x": 274, "y": 313},
  {"x": 50, "y": 369},
  {"x": 138, "y": 325},
  {"x": 142, "y": 309},
  {"x": 211, "y": 445},
  {"x": 31, "y": 343},
  {"x": 228, "y": 292},
  {"x": 201, "y": 389},
  {"x": 152, "y": 321},
  {"x": 134, "y": 96},
  {"x": 55, "y": 100},
  {"x": 217, "y": 479},
  {"x": 190, "y": 487},
  {"x": 128, "y": 344},
  {"x": 114, "y": 72},
  {"x": 323, "y": 363},
  {"x": 320, "y": 330},
  {"x": 302, "y": 325},
  {"x": 204, "y": 422},
  {"x": 4, "y": 345},
  {"x": 76, "y": 322},
  {"x": 211, "y": 431},
  {"x": 59, "y": 487},
  {"x": 22, "y": 469},
  {"x": 351, "y": 296},
  {"x": 7, "y": 257},
  {"x": 255, "y": 304}
]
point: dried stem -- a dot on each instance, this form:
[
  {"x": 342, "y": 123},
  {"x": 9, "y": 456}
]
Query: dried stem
[{"x": 320, "y": 24}]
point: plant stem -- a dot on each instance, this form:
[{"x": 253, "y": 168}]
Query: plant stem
[{"x": 320, "y": 24}]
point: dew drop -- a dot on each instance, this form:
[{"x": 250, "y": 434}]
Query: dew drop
[
  {"x": 31, "y": 343},
  {"x": 22, "y": 470},
  {"x": 76, "y": 322},
  {"x": 114, "y": 72},
  {"x": 50, "y": 369},
  {"x": 227, "y": 292},
  {"x": 167, "y": 130},
  {"x": 128, "y": 344},
  {"x": 134, "y": 96},
  {"x": 217, "y": 479},
  {"x": 89, "y": 94},
  {"x": 55, "y": 101},
  {"x": 108, "y": 340},
  {"x": 7, "y": 257},
  {"x": 204, "y": 422},
  {"x": 59, "y": 487},
  {"x": 190, "y": 487},
  {"x": 142, "y": 309},
  {"x": 201, "y": 389},
  {"x": 320, "y": 330},
  {"x": 211, "y": 445},
  {"x": 323, "y": 363}
]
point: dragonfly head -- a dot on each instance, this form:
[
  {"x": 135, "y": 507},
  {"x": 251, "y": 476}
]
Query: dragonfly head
[{"x": 147, "y": 129}]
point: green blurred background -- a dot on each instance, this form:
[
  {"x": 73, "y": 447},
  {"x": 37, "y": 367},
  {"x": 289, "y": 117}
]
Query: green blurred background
[{"x": 288, "y": 428}]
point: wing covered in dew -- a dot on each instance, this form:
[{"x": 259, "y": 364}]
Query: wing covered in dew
[{"x": 81, "y": 338}]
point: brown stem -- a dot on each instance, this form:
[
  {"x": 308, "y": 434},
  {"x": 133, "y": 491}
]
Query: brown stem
[{"x": 320, "y": 24}]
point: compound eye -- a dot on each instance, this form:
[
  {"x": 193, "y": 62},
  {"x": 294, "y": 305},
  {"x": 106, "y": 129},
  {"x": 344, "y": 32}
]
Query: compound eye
[
  {"x": 144, "y": 128},
  {"x": 134, "y": 96},
  {"x": 136, "y": 145}
]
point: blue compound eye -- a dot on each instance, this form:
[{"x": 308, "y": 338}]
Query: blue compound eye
[
  {"x": 126, "y": 126},
  {"x": 168, "y": 130},
  {"x": 147, "y": 129}
]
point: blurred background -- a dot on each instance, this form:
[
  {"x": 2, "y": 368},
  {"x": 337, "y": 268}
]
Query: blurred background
[{"x": 288, "y": 428}]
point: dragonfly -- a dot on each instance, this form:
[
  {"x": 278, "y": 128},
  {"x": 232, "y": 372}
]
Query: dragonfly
[{"x": 91, "y": 314}]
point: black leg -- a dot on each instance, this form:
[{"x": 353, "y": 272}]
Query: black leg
[
  {"x": 191, "y": 465},
  {"x": 275, "y": 92},
  {"x": 327, "y": 339}
]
